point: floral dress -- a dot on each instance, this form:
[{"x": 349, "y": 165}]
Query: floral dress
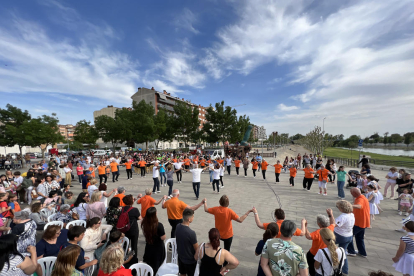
[
  {"x": 112, "y": 215},
  {"x": 285, "y": 257}
]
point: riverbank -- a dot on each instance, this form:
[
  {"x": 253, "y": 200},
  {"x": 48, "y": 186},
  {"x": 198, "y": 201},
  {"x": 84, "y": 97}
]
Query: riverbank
[{"x": 354, "y": 154}]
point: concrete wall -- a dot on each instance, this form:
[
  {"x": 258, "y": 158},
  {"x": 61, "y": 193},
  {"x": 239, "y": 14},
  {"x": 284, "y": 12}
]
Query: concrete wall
[
  {"x": 145, "y": 94},
  {"x": 108, "y": 111}
]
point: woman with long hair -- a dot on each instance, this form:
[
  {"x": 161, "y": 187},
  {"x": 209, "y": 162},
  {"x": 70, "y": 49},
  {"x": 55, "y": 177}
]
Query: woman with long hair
[
  {"x": 112, "y": 262},
  {"x": 66, "y": 261},
  {"x": 95, "y": 207},
  {"x": 331, "y": 257},
  {"x": 35, "y": 215},
  {"x": 133, "y": 233},
  {"x": 154, "y": 236},
  {"x": 113, "y": 212},
  {"x": 95, "y": 237},
  {"x": 213, "y": 257},
  {"x": 102, "y": 188},
  {"x": 12, "y": 261},
  {"x": 80, "y": 205},
  {"x": 270, "y": 233},
  {"x": 47, "y": 246}
]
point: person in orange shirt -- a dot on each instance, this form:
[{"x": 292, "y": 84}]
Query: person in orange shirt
[
  {"x": 255, "y": 166},
  {"x": 280, "y": 217},
  {"x": 128, "y": 166},
  {"x": 317, "y": 242},
  {"x": 147, "y": 201},
  {"x": 237, "y": 164},
  {"x": 142, "y": 164},
  {"x": 323, "y": 179},
  {"x": 362, "y": 221},
  {"x": 175, "y": 208},
  {"x": 293, "y": 172},
  {"x": 308, "y": 178},
  {"x": 278, "y": 170},
  {"x": 102, "y": 173},
  {"x": 92, "y": 169},
  {"x": 186, "y": 163},
  {"x": 202, "y": 163},
  {"x": 114, "y": 170},
  {"x": 223, "y": 216},
  {"x": 264, "y": 168},
  {"x": 121, "y": 195}
]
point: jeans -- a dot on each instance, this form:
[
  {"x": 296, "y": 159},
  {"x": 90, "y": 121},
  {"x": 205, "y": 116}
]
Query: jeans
[
  {"x": 156, "y": 184},
  {"x": 343, "y": 242},
  {"x": 129, "y": 173},
  {"x": 196, "y": 188},
  {"x": 277, "y": 177},
  {"x": 115, "y": 176},
  {"x": 101, "y": 177},
  {"x": 216, "y": 181},
  {"x": 162, "y": 174},
  {"x": 179, "y": 175},
  {"x": 80, "y": 178},
  {"x": 174, "y": 223},
  {"x": 211, "y": 176},
  {"x": 260, "y": 166},
  {"x": 170, "y": 184},
  {"x": 264, "y": 174},
  {"x": 229, "y": 169},
  {"x": 358, "y": 232},
  {"x": 307, "y": 183},
  {"x": 341, "y": 185}
]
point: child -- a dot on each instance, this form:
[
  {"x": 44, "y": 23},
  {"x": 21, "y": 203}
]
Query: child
[
  {"x": 374, "y": 182},
  {"x": 372, "y": 196},
  {"x": 365, "y": 182},
  {"x": 255, "y": 166},
  {"x": 293, "y": 172},
  {"x": 406, "y": 200},
  {"x": 15, "y": 206},
  {"x": 359, "y": 181},
  {"x": 404, "y": 258},
  {"x": 5, "y": 208},
  {"x": 221, "y": 176}
]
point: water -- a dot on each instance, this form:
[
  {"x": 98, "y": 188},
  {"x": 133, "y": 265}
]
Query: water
[{"x": 393, "y": 152}]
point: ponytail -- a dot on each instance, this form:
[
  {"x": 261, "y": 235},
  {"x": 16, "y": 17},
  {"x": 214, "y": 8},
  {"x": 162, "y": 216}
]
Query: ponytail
[
  {"x": 329, "y": 236},
  {"x": 214, "y": 237},
  {"x": 271, "y": 231}
]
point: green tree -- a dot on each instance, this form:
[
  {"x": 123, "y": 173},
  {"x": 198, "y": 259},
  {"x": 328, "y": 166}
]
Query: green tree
[
  {"x": 142, "y": 122},
  {"x": 73, "y": 145},
  {"x": 395, "y": 138},
  {"x": 386, "y": 141},
  {"x": 14, "y": 128},
  {"x": 164, "y": 127},
  {"x": 408, "y": 138},
  {"x": 220, "y": 124},
  {"x": 376, "y": 137},
  {"x": 46, "y": 132},
  {"x": 109, "y": 130},
  {"x": 186, "y": 122},
  {"x": 85, "y": 133}
]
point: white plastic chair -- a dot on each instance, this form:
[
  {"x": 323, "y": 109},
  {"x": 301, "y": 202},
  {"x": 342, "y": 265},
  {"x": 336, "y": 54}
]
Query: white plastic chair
[
  {"x": 125, "y": 244},
  {"x": 51, "y": 218},
  {"x": 172, "y": 267},
  {"x": 53, "y": 223},
  {"x": 47, "y": 264},
  {"x": 29, "y": 195},
  {"x": 142, "y": 269},
  {"x": 76, "y": 223}
]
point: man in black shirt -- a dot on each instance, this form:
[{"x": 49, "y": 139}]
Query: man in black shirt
[
  {"x": 363, "y": 160},
  {"x": 186, "y": 244}
]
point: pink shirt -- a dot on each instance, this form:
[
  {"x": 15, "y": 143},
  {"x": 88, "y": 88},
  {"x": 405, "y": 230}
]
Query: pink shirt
[
  {"x": 96, "y": 209},
  {"x": 79, "y": 170}
]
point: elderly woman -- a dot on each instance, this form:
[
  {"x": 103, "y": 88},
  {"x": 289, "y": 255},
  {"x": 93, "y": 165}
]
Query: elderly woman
[
  {"x": 65, "y": 215},
  {"x": 25, "y": 229},
  {"x": 35, "y": 215},
  {"x": 344, "y": 224},
  {"x": 95, "y": 207},
  {"x": 95, "y": 237},
  {"x": 315, "y": 237},
  {"x": 112, "y": 262}
]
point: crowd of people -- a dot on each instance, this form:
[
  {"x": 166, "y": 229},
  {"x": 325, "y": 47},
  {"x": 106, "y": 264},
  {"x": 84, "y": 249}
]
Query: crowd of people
[{"x": 97, "y": 246}]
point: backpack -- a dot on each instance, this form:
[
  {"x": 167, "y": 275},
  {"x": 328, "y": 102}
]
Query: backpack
[
  {"x": 27, "y": 182},
  {"x": 336, "y": 271},
  {"x": 123, "y": 223}
]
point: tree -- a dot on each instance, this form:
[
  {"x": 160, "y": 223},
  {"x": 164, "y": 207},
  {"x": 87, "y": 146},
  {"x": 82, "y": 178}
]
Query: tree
[
  {"x": 73, "y": 145},
  {"x": 395, "y": 138},
  {"x": 142, "y": 122},
  {"x": 386, "y": 138},
  {"x": 164, "y": 127},
  {"x": 296, "y": 137},
  {"x": 408, "y": 138},
  {"x": 221, "y": 123},
  {"x": 316, "y": 140},
  {"x": 47, "y": 133},
  {"x": 85, "y": 133},
  {"x": 375, "y": 137},
  {"x": 14, "y": 128},
  {"x": 108, "y": 129},
  {"x": 186, "y": 122}
]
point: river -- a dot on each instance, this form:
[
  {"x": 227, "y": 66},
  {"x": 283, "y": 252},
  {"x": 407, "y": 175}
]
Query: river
[{"x": 394, "y": 152}]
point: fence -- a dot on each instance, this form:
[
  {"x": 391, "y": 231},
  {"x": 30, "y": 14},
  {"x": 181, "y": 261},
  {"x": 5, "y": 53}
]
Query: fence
[{"x": 354, "y": 162}]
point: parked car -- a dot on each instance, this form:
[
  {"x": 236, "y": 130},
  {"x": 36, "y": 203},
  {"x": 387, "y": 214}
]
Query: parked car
[{"x": 32, "y": 155}]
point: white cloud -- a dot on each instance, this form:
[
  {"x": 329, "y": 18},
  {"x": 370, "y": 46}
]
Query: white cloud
[
  {"x": 283, "y": 107},
  {"x": 186, "y": 21}
]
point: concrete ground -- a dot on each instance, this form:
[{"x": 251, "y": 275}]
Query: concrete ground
[{"x": 381, "y": 241}]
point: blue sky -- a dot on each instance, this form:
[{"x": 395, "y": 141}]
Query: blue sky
[{"x": 291, "y": 62}]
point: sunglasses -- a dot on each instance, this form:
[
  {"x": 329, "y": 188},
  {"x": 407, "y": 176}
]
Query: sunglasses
[{"x": 87, "y": 196}]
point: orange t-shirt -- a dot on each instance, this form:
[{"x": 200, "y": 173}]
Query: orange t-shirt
[
  {"x": 255, "y": 165},
  {"x": 278, "y": 168},
  {"x": 264, "y": 165},
  {"x": 101, "y": 169},
  {"x": 223, "y": 217},
  {"x": 146, "y": 202},
  {"x": 114, "y": 166},
  {"x": 87, "y": 185},
  {"x": 308, "y": 172},
  {"x": 293, "y": 171},
  {"x": 220, "y": 161},
  {"x": 323, "y": 175},
  {"x": 175, "y": 160},
  {"x": 128, "y": 165},
  {"x": 92, "y": 170},
  {"x": 120, "y": 196},
  {"x": 362, "y": 215},
  {"x": 142, "y": 163},
  {"x": 317, "y": 242},
  {"x": 175, "y": 208},
  {"x": 108, "y": 170},
  {"x": 237, "y": 163},
  {"x": 202, "y": 163},
  {"x": 187, "y": 162},
  {"x": 298, "y": 232}
]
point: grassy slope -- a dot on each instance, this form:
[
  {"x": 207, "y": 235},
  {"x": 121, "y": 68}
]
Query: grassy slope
[{"x": 344, "y": 153}]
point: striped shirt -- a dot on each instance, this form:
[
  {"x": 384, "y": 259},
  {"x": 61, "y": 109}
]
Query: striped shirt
[{"x": 409, "y": 249}]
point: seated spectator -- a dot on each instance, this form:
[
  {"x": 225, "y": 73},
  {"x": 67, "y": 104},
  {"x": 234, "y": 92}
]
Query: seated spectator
[
  {"x": 35, "y": 215},
  {"x": 80, "y": 205},
  {"x": 12, "y": 262},
  {"x": 112, "y": 262},
  {"x": 48, "y": 246},
  {"x": 54, "y": 198},
  {"x": 213, "y": 257},
  {"x": 66, "y": 261},
  {"x": 68, "y": 198},
  {"x": 114, "y": 238},
  {"x": 95, "y": 207},
  {"x": 75, "y": 236},
  {"x": 64, "y": 215},
  {"x": 94, "y": 238},
  {"x": 113, "y": 212},
  {"x": 25, "y": 229},
  {"x": 271, "y": 232}
]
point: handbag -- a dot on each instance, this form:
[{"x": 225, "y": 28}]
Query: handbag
[{"x": 197, "y": 270}]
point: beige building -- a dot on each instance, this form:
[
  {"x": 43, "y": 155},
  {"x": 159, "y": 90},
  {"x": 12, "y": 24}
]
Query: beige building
[
  {"x": 108, "y": 111},
  {"x": 67, "y": 131}
]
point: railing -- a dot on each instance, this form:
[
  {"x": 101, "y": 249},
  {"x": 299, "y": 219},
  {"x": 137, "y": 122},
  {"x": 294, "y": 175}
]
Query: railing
[{"x": 354, "y": 162}]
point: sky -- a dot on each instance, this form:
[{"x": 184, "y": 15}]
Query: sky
[{"x": 285, "y": 64}]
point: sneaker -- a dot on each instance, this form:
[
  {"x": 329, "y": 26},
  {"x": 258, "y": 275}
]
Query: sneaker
[
  {"x": 339, "y": 197},
  {"x": 245, "y": 176},
  {"x": 319, "y": 193},
  {"x": 254, "y": 176},
  {"x": 304, "y": 188},
  {"x": 406, "y": 214},
  {"x": 325, "y": 194},
  {"x": 391, "y": 197},
  {"x": 350, "y": 255},
  {"x": 361, "y": 255},
  {"x": 221, "y": 187},
  {"x": 308, "y": 190},
  {"x": 400, "y": 213}
]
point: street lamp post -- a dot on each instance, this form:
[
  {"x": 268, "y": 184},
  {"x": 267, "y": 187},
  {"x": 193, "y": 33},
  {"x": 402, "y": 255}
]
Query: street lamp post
[{"x": 323, "y": 125}]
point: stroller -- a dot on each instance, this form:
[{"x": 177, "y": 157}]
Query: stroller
[{"x": 353, "y": 183}]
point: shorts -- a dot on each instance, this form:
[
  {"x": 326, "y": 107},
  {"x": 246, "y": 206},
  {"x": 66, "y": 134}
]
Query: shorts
[
  {"x": 405, "y": 204},
  {"x": 322, "y": 184},
  {"x": 188, "y": 269}
]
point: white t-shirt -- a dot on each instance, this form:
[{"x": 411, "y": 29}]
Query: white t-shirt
[
  {"x": 228, "y": 161},
  {"x": 18, "y": 181},
  {"x": 392, "y": 181},
  {"x": 321, "y": 258},
  {"x": 81, "y": 211},
  {"x": 104, "y": 199},
  {"x": 196, "y": 175},
  {"x": 155, "y": 172},
  {"x": 67, "y": 169},
  {"x": 221, "y": 171},
  {"x": 405, "y": 198},
  {"x": 91, "y": 189},
  {"x": 211, "y": 166},
  {"x": 216, "y": 174},
  {"x": 178, "y": 165},
  {"x": 345, "y": 224}
]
